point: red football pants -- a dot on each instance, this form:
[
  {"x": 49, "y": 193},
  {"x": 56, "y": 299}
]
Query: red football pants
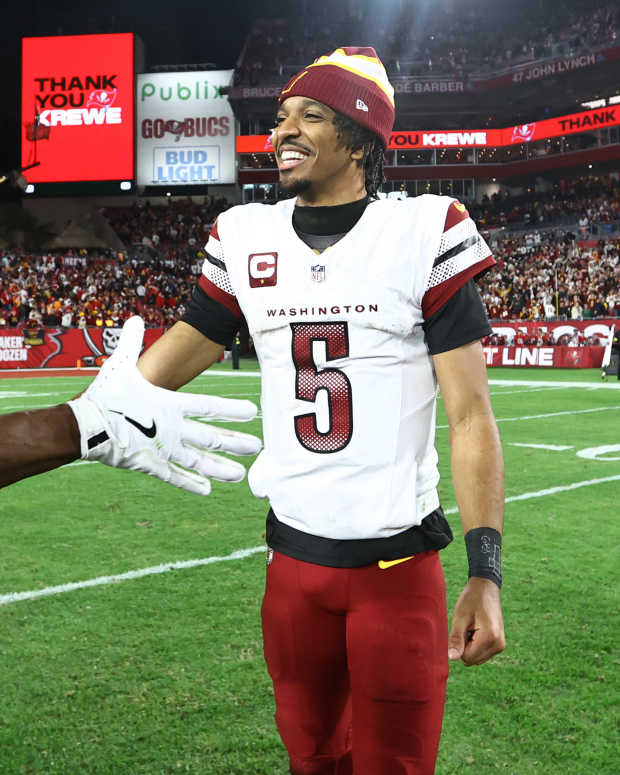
[{"x": 358, "y": 659}]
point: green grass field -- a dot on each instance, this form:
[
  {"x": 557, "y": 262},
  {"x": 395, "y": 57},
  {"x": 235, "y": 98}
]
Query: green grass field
[{"x": 163, "y": 672}]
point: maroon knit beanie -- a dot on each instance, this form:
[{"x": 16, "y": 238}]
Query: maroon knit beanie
[{"x": 352, "y": 81}]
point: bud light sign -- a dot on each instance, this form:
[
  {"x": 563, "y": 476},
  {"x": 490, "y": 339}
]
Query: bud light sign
[
  {"x": 185, "y": 129},
  {"x": 187, "y": 165}
]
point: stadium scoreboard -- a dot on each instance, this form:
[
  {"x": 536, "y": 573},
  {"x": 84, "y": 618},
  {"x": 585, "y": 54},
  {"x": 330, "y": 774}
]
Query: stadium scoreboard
[{"x": 77, "y": 108}]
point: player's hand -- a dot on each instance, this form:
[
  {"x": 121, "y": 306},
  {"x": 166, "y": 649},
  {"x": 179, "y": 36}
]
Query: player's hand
[
  {"x": 127, "y": 422},
  {"x": 477, "y": 624}
]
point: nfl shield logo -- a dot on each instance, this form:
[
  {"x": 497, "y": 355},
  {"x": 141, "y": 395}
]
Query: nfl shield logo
[{"x": 318, "y": 272}]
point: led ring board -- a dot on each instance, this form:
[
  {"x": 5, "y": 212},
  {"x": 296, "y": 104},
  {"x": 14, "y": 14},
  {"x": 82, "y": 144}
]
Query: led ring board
[{"x": 77, "y": 108}]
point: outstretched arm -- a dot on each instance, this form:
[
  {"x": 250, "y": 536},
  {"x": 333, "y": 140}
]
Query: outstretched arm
[
  {"x": 478, "y": 477},
  {"x": 125, "y": 421},
  {"x": 181, "y": 354},
  {"x": 37, "y": 441}
]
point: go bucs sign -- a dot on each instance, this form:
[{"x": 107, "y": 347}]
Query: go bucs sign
[{"x": 185, "y": 129}]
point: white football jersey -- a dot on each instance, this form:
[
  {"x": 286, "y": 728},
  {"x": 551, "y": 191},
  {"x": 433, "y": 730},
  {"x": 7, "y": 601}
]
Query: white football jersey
[{"x": 348, "y": 387}]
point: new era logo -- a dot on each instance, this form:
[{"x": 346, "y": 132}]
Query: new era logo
[{"x": 361, "y": 105}]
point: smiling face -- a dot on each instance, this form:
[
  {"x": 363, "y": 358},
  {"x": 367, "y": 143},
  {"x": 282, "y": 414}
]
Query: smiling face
[{"x": 313, "y": 162}]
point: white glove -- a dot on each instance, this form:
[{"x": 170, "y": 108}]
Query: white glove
[{"x": 127, "y": 422}]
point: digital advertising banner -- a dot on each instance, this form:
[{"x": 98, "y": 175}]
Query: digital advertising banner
[
  {"x": 536, "y": 71},
  {"x": 476, "y": 138},
  {"x": 185, "y": 128},
  {"x": 77, "y": 108},
  {"x": 61, "y": 348},
  {"x": 561, "y": 330},
  {"x": 590, "y": 357}
]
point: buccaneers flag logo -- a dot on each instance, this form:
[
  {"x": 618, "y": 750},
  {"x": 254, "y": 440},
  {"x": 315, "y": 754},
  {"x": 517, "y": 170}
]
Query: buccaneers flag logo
[
  {"x": 523, "y": 133},
  {"x": 101, "y": 98}
]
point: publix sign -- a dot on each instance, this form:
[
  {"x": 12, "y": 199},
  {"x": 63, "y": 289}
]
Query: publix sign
[{"x": 185, "y": 129}]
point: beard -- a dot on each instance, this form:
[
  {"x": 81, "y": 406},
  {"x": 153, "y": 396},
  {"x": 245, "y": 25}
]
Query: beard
[{"x": 294, "y": 187}]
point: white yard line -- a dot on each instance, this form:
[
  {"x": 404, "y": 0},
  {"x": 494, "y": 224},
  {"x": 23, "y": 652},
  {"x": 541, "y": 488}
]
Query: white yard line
[
  {"x": 526, "y": 496},
  {"x": 555, "y": 384},
  {"x": 41, "y": 372},
  {"x": 37, "y": 380},
  {"x": 25, "y": 407},
  {"x": 9, "y": 394},
  {"x": 562, "y": 488},
  {"x": 570, "y": 413},
  {"x": 550, "y": 447},
  {"x": 235, "y": 395},
  {"x": 525, "y": 390},
  {"x": 614, "y": 384},
  {"x": 93, "y": 374},
  {"x": 210, "y": 372},
  {"x": 15, "y": 597},
  {"x": 547, "y": 414}
]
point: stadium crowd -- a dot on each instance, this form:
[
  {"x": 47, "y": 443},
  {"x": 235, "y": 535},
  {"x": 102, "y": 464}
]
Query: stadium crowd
[
  {"x": 177, "y": 228},
  {"x": 413, "y": 43},
  {"x": 542, "y": 273},
  {"x": 549, "y": 276},
  {"x": 153, "y": 277},
  {"x": 74, "y": 289},
  {"x": 586, "y": 201}
]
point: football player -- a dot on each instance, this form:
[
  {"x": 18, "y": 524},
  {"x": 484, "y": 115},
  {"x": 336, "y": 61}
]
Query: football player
[
  {"x": 124, "y": 421},
  {"x": 359, "y": 308}
]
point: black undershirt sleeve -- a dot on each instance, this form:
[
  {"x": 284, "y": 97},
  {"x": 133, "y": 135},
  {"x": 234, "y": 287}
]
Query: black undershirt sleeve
[
  {"x": 461, "y": 320},
  {"x": 211, "y": 318}
]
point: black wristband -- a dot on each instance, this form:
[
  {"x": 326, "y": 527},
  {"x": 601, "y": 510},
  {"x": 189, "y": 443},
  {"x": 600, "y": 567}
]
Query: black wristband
[{"x": 484, "y": 553}]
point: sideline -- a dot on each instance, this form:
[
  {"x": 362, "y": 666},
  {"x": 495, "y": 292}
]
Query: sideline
[
  {"x": 15, "y": 597},
  {"x": 69, "y": 371},
  {"x": 35, "y": 374},
  {"x": 32, "y": 374}
]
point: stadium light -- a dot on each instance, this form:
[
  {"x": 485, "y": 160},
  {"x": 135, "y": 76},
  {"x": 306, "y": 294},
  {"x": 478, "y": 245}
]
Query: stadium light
[
  {"x": 602, "y": 102},
  {"x": 594, "y": 104}
]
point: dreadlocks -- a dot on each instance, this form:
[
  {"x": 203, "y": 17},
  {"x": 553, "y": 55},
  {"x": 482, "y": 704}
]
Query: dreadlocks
[{"x": 354, "y": 137}]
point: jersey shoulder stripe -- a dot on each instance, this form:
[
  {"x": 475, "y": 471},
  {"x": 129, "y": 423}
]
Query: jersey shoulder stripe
[
  {"x": 215, "y": 273},
  {"x": 214, "y": 292},
  {"x": 216, "y": 261},
  {"x": 437, "y": 296},
  {"x": 461, "y": 255},
  {"x": 468, "y": 242},
  {"x": 213, "y": 233},
  {"x": 214, "y": 269}
]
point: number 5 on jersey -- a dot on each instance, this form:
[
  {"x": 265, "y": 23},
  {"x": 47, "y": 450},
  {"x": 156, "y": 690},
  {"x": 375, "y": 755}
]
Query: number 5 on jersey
[{"x": 309, "y": 380}]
